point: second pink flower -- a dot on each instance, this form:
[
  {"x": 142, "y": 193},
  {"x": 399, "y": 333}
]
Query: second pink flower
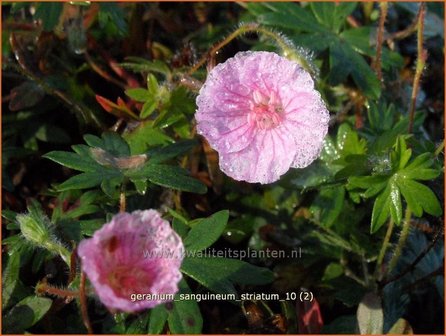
[{"x": 260, "y": 111}]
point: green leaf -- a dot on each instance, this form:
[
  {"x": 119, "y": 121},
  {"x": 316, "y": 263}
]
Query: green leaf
[
  {"x": 111, "y": 13},
  {"x": 144, "y": 136},
  {"x": 139, "y": 325},
  {"x": 368, "y": 181},
  {"x": 90, "y": 226},
  {"x": 83, "y": 206},
  {"x": 334, "y": 240},
  {"x": 324, "y": 13},
  {"x": 165, "y": 153},
  {"x": 73, "y": 161},
  {"x": 49, "y": 13},
  {"x": 111, "y": 185},
  {"x": 206, "y": 232},
  {"x": 419, "y": 169},
  {"x": 152, "y": 84},
  {"x": 381, "y": 210},
  {"x": 158, "y": 318},
  {"x": 418, "y": 197},
  {"x": 401, "y": 327},
  {"x": 170, "y": 177},
  {"x": 340, "y": 66},
  {"x": 362, "y": 74},
  {"x": 290, "y": 15},
  {"x": 94, "y": 141},
  {"x": 140, "y": 185},
  {"x": 87, "y": 180},
  {"x": 185, "y": 316},
  {"x": 316, "y": 42},
  {"x": 138, "y": 94},
  {"x": 111, "y": 142},
  {"x": 397, "y": 181},
  {"x": 115, "y": 144},
  {"x": 10, "y": 280},
  {"x": 143, "y": 65},
  {"x": 25, "y": 314},
  {"x": 380, "y": 117},
  {"x": 401, "y": 155},
  {"x": 148, "y": 108},
  {"x": 328, "y": 205},
  {"x": 219, "y": 274},
  {"x": 332, "y": 271},
  {"x": 396, "y": 210},
  {"x": 344, "y": 60},
  {"x": 315, "y": 175},
  {"x": 355, "y": 164},
  {"x": 359, "y": 39},
  {"x": 342, "y": 11},
  {"x": 180, "y": 227},
  {"x": 332, "y": 15}
]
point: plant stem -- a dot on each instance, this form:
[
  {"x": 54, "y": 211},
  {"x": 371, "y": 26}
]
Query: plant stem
[
  {"x": 286, "y": 46},
  {"x": 43, "y": 288},
  {"x": 384, "y": 247},
  {"x": 421, "y": 62},
  {"x": 83, "y": 304},
  {"x": 122, "y": 199},
  {"x": 242, "y": 29},
  {"x": 401, "y": 240},
  {"x": 412, "y": 266},
  {"x": 349, "y": 273},
  {"x": 379, "y": 44},
  {"x": 439, "y": 149},
  {"x": 402, "y": 34},
  {"x": 365, "y": 271},
  {"x": 73, "y": 264}
]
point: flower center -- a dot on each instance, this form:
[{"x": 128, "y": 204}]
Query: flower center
[
  {"x": 266, "y": 112},
  {"x": 125, "y": 280}
]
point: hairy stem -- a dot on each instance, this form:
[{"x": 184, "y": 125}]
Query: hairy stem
[
  {"x": 73, "y": 264},
  {"x": 421, "y": 62},
  {"x": 439, "y": 149},
  {"x": 282, "y": 43},
  {"x": 402, "y": 240},
  {"x": 412, "y": 266},
  {"x": 122, "y": 198},
  {"x": 83, "y": 304},
  {"x": 379, "y": 44},
  {"x": 384, "y": 247},
  {"x": 44, "y": 288}
]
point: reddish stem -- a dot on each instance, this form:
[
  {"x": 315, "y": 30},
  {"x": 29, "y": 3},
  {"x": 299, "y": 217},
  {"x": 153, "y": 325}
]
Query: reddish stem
[{"x": 83, "y": 302}]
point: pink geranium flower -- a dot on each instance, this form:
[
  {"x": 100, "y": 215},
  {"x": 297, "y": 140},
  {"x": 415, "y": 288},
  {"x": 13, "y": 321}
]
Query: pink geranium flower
[
  {"x": 135, "y": 253},
  {"x": 261, "y": 113}
]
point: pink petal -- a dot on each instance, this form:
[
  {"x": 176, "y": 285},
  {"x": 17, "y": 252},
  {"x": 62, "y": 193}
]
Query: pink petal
[
  {"x": 254, "y": 164},
  {"x": 261, "y": 113},
  {"x": 116, "y": 266}
]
